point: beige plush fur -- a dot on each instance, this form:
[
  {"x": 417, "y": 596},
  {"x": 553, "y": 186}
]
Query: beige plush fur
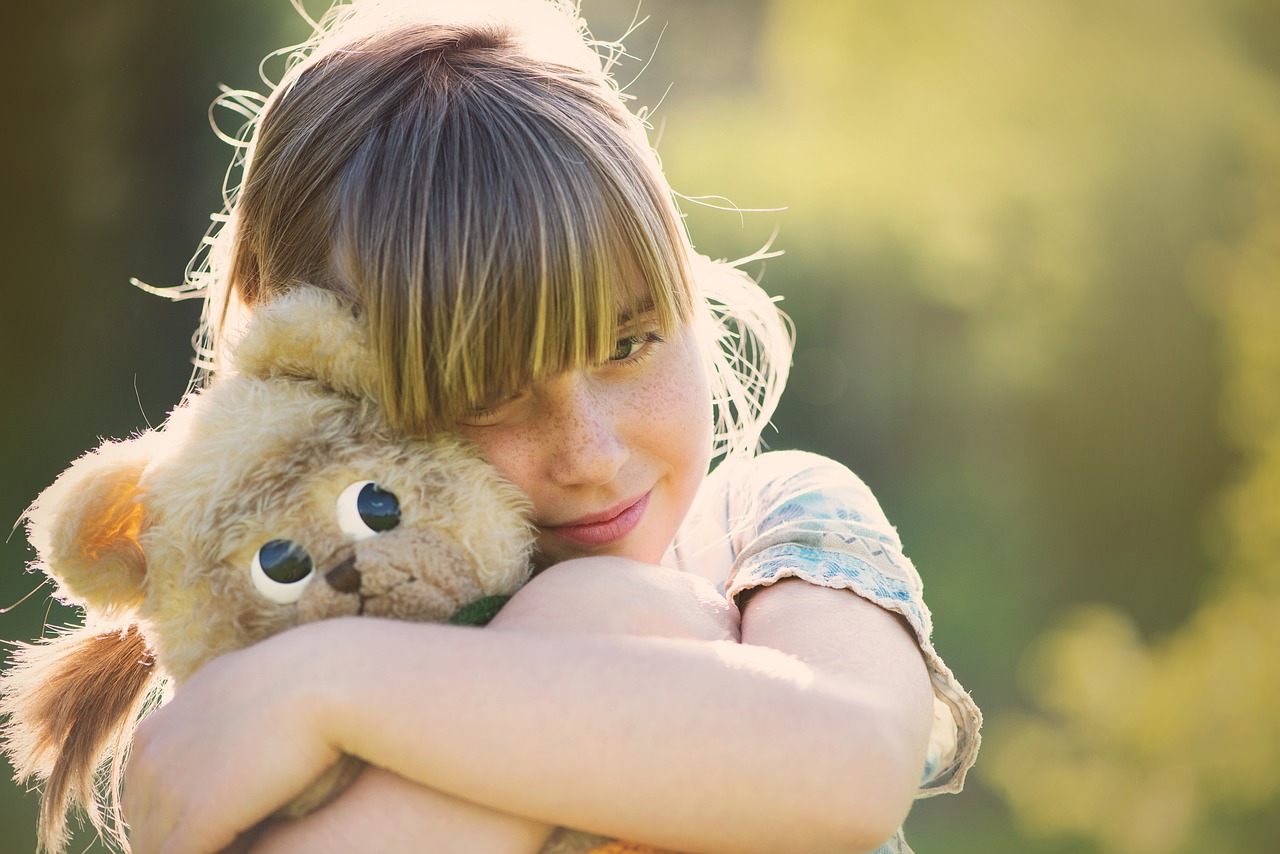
[{"x": 154, "y": 538}]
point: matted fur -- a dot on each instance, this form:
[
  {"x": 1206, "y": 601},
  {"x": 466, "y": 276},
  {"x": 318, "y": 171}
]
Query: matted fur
[
  {"x": 158, "y": 534},
  {"x": 86, "y": 686}
]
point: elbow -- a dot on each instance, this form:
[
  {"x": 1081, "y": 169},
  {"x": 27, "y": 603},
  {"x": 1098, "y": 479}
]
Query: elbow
[
  {"x": 859, "y": 828},
  {"x": 855, "y": 832},
  {"x": 863, "y": 829},
  {"x": 849, "y": 774},
  {"x": 872, "y": 792}
]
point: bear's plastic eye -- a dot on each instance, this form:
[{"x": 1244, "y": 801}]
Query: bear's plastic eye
[
  {"x": 281, "y": 570},
  {"x": 366, "y": 509}
]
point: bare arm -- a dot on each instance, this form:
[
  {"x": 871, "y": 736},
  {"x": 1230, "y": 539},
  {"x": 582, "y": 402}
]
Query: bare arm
[
  {"x": 692, "y": 744},
  {"x": 383, "y": 812},
  {"x": 869, "y": 653}
]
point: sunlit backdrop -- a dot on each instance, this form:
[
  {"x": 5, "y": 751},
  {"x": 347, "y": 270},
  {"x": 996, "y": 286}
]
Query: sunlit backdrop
[{"x": 1033, "y": 255}]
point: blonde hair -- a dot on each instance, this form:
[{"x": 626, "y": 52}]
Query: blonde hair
[{"x": 488, "y": 208}]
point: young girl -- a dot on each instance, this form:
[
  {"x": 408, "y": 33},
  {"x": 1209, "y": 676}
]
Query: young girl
[{"x": 731, "y": 662}]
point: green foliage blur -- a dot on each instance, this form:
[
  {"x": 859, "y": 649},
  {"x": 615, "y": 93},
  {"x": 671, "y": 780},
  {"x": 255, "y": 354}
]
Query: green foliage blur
[{"x": 1032, "y": 252}]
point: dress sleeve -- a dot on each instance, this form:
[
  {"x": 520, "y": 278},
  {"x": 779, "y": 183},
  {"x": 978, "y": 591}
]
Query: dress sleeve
[{"x": 799, "y": 515}]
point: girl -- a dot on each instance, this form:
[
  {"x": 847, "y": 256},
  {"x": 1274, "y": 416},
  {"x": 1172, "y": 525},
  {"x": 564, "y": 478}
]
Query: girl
[{"x": 731, "y": 662}]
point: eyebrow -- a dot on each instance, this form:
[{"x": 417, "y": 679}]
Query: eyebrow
[{"x": 628, "y": 315}]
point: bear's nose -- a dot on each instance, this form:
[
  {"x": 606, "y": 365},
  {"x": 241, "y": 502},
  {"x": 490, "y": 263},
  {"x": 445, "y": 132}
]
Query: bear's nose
[{"x": 344, "y": 577}]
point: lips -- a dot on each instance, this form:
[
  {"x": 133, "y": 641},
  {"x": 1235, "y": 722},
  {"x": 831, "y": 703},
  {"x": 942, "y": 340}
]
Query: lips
[{"x": 600, "y": 529}]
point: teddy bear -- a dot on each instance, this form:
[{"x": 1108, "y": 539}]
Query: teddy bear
[{"x": 275, "y": 496}]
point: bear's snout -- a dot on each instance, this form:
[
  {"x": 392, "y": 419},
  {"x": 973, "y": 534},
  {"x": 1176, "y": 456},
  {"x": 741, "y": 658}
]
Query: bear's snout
[{"x": 344, "y": 577}]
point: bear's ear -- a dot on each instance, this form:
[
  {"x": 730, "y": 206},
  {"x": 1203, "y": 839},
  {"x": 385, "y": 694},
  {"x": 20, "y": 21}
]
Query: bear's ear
[
  {"x": 311, "y": 334},
  {"x": 86, "y": 527}
]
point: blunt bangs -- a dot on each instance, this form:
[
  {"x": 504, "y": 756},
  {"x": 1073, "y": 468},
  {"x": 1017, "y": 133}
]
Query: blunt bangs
[{"x": 499, "y": 224}]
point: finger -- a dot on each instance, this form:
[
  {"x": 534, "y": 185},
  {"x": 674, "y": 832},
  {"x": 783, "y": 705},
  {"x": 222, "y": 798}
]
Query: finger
[
  {"x": 154, "y": 795},
  {"x": 148, "y": 818},
  {"x": 140, "y": 814}
]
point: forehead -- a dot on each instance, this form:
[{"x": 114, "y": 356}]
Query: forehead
[{"x": 557, "y": 318}]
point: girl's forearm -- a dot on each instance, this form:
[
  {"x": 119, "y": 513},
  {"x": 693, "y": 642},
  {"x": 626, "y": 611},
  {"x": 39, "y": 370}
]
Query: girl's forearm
[
  {"x": 808, "y": 736},
  {"x": 688, "y": 744},
  {"x": 384, "y": 812}
]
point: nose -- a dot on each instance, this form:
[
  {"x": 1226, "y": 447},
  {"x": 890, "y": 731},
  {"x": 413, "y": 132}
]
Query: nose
[
  {"x": 344, "y": 577},
  {"x": 583, "y": 433}
]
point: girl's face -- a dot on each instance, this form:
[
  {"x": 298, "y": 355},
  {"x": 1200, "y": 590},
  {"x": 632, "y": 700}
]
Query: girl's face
[{"x": 610, "y": 455}]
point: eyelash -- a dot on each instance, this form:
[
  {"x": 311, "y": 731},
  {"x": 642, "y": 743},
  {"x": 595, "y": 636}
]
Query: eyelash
[
  {"x": 489, "y": 411},
  {"x": 641, "y": 338}
]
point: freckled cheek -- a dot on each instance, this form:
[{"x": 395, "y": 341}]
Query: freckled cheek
[
  {"x": 681, "y": 405},
  {"x": 515, "y": 458},
  {"x": 678, "y": 410}
]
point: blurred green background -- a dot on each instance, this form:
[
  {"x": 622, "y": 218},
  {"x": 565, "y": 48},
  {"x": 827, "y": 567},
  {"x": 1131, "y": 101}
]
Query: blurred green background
[{"x": 1033, "y": 254}]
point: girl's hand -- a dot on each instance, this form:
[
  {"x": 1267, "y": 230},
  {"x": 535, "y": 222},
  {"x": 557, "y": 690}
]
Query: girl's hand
[
  {"x": 238, "y": 741},
  {"x": 618, "y": 596}
]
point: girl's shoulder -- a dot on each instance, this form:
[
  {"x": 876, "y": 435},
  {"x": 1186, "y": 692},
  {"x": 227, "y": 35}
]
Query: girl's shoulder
[
  {"x": 777, "y": 469},
  {"x": 744, "y": 496},
  {"x": 791, "y": 483}
]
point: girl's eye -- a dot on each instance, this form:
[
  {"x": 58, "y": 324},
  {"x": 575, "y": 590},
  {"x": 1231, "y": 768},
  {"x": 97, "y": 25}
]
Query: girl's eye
[
  {"x": 366, "y": 510},
  {"x": 631, "y": 347},
  {"x": 280, "y": 571},
  {"x": 482, "y": 414}
]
